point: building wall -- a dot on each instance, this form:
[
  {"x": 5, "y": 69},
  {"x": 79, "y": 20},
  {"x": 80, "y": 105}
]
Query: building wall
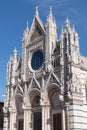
[
  {"x": 1, "y": 115},
  {"x": 50, "y": 78}
]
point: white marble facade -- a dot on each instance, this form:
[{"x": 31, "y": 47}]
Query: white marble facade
[{"x": 47, "y": 88}]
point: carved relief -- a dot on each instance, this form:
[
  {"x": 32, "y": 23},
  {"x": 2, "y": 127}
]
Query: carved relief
[
  {"x": 75, "y": 55},
  {"x": 83, "y": 62},
  {"x": 76, "y": 84},
  {"x": 55, "y": 101},
  {"x": 36, "y": 34}
]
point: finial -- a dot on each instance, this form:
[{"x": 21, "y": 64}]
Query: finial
[
  {"x": 67, "y": 24},
  {"x": 67, "y": 20},
  {"x": 51, "y": 15},
  {"x": 15, "y": 51},
  {"x": 36, "y": 9},
  {"x": 73, "y": 28},
  {"x": 50, "y": 9}
]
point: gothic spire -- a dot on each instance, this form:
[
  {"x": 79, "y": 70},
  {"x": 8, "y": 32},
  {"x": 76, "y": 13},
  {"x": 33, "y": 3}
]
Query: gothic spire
[
  {"x": 50, "y": 16},
  {"x": 67, "y": 20},
  {"x": 50, "y": 10},
  {"x": 67, "y": 25},
  {"x": 26, "y": 32},
  {"x": 15, "y": 53},
  {"x": 73, "y": 28},
  {"x": 62, "y": 30},
  {"x": 51, "y": 13}
]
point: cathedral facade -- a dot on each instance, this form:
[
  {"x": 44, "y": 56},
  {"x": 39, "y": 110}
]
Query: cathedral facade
[{"x": 46, "y": 89}]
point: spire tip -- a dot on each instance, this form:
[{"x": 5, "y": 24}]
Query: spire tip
[{"x": 37, "y": 9}]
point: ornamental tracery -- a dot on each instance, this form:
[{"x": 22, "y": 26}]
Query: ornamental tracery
[{"x": 77, "y": 83}]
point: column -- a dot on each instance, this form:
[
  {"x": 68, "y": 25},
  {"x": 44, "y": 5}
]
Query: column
[
  {"x": 46, "y": 125},
  {"x": 63, "y": 119},
  {"x": 67, "y": 116},
  {"x": 6, "y": 121},
  {"x": 13, "y": 120},
  {"x": 27, "y": 119}
]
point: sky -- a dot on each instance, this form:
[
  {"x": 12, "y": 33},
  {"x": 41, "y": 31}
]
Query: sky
[{"x": 14, "y": 15}]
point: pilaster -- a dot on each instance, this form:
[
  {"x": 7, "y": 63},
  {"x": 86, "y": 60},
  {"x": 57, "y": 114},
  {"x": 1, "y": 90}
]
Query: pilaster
[
  {"x": 63, "y": 120},
  {"x": 6, "y": 121},
  {"x": 28, "y": 119},
  {"x": 46, "y": 124},
  {"x": 13, "y": 120}
]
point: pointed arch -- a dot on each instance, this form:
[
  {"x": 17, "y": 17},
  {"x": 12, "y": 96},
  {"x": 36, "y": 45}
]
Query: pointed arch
[
  {"x": 52, "y": 75},
  {"x": 37, "y": 23},
  {"x": 31, "y": 88},
  {"x": 18, "y": 91}
]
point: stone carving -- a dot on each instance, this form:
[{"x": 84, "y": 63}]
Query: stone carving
[
  {"x": 76, "y": 85},
  {"x": 83, "y": 62},
  {"x": 55, "y": 101}
]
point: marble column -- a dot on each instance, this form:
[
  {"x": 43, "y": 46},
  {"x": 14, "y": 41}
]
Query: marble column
[
  {"x": 6, "y": 121},
  {"x": 27, "y": 119},
  {"x": 13, "y": 120},
  {"x": 63, "y": 119},
  {"x": 67, "y": 116},
  {"x": 46, "y": 125}
]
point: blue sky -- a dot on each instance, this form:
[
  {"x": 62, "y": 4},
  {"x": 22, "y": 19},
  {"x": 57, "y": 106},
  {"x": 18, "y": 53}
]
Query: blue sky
[{"x": 15, "y": 13}]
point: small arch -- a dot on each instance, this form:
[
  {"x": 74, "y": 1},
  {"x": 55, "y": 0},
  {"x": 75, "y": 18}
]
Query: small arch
[
  {"x": 17, "y": 104},
  {"x": 36, "y": 101},
  {"x": 53, "y": 85},
  {"x": 17, "y": 95},
  {"x": 50, "y": 90},
  {"x": 32, "y": 94}
]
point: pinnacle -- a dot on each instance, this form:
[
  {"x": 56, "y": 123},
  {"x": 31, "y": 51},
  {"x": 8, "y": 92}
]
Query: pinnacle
[
  {"x": 27, "y": 28},
  {"x": 67, "y": 20},
  {"x": 37, "y": 13},
  {"x": 73, "y": 28},
  {"x": 15, "y": 51},
  {"x": 62, "y": 30},
  {"x": 51, "y": 14},
  {"x": 50, "y": 10},
  {"x": 67, "y": 24}
]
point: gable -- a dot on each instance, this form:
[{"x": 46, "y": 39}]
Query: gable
[
  {"x": 37, "y": 32},
  {"x": 37, "y": 29}
]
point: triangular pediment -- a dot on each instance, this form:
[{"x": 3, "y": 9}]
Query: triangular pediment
[
  {"x": 34, "y": 84},
  {"x": 18, "y": 90},
  {"x": 52, "y": 78},
  {"x": 37, "y": 29}
]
